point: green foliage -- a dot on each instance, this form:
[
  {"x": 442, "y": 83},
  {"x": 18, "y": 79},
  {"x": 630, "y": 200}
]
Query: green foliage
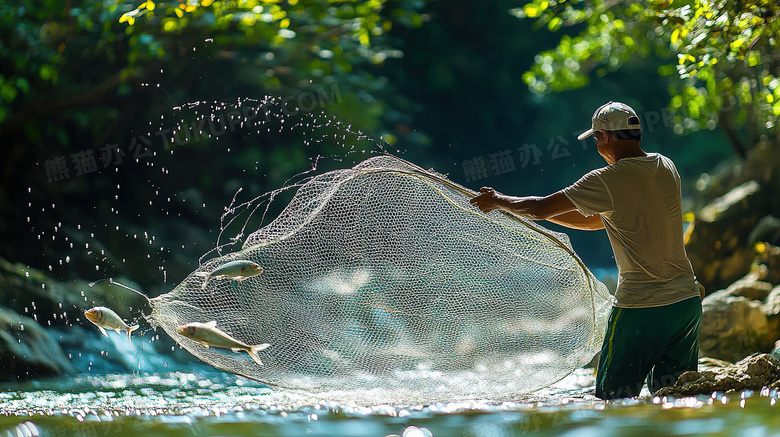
[
  {"x": 58, "y": 56},
  {"x": 78, "y": 77},
  {"x": 293, "y": 46},
  {"x": 726, "y": 54}
]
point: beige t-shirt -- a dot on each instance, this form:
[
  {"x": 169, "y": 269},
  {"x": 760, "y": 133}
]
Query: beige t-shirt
[{"x": 640, "y": 203}]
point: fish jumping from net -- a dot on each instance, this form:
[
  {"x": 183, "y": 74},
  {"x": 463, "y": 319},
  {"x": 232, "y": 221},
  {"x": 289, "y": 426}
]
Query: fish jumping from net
[
  {"x": 238, "y": 270},
  {"x": 208, "y": 335},
  {"x": 105, "y": 318}
]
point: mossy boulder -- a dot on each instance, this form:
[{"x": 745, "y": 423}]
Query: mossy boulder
[
  {"x": 50, "y": 302},
  {"x": 26, "y": 349}
]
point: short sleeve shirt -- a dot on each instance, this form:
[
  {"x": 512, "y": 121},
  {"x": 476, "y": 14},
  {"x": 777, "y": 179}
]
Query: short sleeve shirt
[{"x": 639, "y": 201}]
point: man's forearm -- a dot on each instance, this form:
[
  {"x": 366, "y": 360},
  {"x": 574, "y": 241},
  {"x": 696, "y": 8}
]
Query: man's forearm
[
  {"x": 575, "y": 220},
  {"x": 530, "y": 207}
]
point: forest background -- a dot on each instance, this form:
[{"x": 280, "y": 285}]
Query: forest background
[{"x": 487, "y": 92}]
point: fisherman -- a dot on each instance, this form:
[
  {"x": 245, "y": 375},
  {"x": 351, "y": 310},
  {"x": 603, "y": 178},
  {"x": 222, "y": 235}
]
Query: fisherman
[{"x": 653, "y": 328}]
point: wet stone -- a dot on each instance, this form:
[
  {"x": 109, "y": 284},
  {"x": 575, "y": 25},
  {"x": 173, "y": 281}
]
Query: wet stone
[
  {"x": 752, "y": 373},
  {"x": 750, "y": 288},
  {"x": 27, "y": 350}
]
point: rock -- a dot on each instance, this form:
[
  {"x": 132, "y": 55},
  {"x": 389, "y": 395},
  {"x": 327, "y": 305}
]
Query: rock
[
  {"x": 728, "y": 206},
  {"x": 92, "y": 352},
  {"x": 772, "y": 303},
  {"x": 30, "y": 292},
  {"x": 709, "y": 363},
  {"x": 776, "y": 351},
  {"x": 26, "y": 350},
  {"x": 768, "y": 260},
  {"x": 767, "y": 229},
  {"x": 717, "y": 244},
  {"x": 771, "y": 309},
  {"x": 53, "y": 303},
  {"x": 759, "y": 271},
  {"x": 751, "y": 288},
  {"x": 733, "y": 327},
  {"x": 723, "y": 205},
  {"x": 752, "y": 373}
]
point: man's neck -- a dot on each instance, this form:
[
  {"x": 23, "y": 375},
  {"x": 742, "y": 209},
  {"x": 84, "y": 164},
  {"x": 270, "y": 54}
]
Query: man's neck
[{"x": 628, "y": 149}]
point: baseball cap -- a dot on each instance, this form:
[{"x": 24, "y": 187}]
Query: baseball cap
[{"x": 612, "y": 116}]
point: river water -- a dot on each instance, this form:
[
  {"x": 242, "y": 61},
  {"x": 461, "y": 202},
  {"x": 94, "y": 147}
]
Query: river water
[
  {"x": 164, "y": 396},
  {"x": 206, "y": 402}
]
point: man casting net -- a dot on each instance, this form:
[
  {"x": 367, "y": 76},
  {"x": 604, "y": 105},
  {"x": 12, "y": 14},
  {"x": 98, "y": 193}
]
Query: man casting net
[{"x": 381, "y": 282}]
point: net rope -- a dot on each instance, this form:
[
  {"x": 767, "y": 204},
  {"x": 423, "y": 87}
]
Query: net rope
[{"x": 381, "y": 283}]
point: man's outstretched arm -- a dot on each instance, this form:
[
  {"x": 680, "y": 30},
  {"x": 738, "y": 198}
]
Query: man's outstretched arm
[
  {"x": 575, "y": 220},
  {"x": 556, "y": 208}
]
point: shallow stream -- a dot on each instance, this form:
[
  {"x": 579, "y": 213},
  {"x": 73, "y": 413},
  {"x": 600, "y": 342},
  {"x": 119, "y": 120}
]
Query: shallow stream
[{"x": 205, "y": 402}]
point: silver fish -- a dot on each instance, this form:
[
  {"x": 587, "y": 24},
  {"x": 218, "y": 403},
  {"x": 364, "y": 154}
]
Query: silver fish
[
  {"x": 104, "y": 318},
  {"x": 238, "y": 270},
  {"x": 208, "y": 335}
]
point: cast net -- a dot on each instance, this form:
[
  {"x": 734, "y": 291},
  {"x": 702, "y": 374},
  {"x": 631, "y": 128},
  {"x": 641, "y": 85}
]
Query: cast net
[{"x": 381, "y": 283}]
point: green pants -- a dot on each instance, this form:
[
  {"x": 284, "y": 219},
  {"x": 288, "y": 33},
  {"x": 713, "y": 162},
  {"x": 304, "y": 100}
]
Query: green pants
[{"x": 654, "y": 344}]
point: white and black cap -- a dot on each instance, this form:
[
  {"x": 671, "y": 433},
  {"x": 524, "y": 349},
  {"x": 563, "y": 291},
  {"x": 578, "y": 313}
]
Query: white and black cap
[{"x": 612, "y": 116}]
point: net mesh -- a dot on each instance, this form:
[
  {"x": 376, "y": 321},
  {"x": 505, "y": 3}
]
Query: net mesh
[{"x": 382, "y": 283}]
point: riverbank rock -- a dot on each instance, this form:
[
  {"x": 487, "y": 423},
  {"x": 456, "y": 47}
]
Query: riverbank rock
[
  {"x": 35, "y": 311},
  {"x": 31, "y": 292},
  {"x": 716, "y": 245},
  {"x": 751, "y": 288},
  {"x": 767, "y": 229},
  {"x": 776, "y": 351},
  {"x": 26, "y": 349},
  {"x": 709, "y": 363},
  {"x": 771, "y": 309},
  {"x": 735, "y": 207},
  {"x": 752, "y": 373},
  {"x": 734, "y": 326},
  {"x": 772, "y": 303},
  {"x": 767, "y": 262}
]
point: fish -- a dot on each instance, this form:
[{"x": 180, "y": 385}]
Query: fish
[
  {"x": 208, "y": 335},
  {"x": 105, "y": 318},
  {"x": 238, "y": 270}
]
